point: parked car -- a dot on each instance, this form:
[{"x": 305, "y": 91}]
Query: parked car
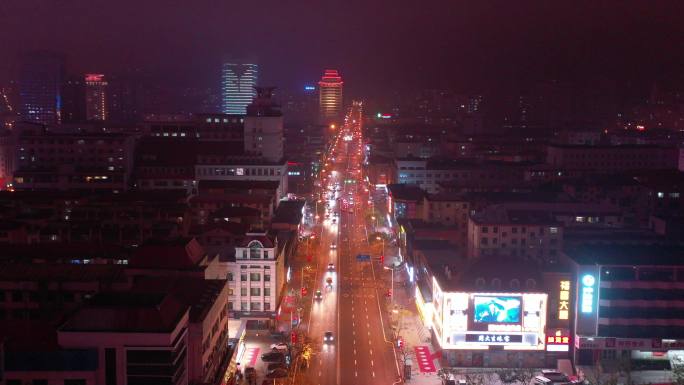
[
  {"x": 281, "y": 347},
  {"x": 273, "y": 357},
  {"x": 276, "y": 365},
  {"x": 277, "y": 373}
]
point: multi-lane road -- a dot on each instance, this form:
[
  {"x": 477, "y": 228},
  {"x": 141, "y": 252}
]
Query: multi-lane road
[{"x": 352, "y": 305}]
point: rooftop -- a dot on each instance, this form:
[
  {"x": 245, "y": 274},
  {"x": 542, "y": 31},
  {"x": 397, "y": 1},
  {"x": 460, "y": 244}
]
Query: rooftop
[
  {"x": 622, "y": 254},
  {"x": 180, "y": 254},
  {"x": 238, "y": 184},
  {"x": 128, "y": 312},
  {"x": 289, "y": 211},
  {"x": 463, "y": 275},
  {"x": 198, "y": 293},
  {"x": 406, "y": 192},
  {"x": 63, "y": 272}
]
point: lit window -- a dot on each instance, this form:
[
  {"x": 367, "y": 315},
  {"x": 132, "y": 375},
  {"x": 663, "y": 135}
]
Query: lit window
[
  {"x": 553, "y": 230},
  {"x": 661, "y": 194}
]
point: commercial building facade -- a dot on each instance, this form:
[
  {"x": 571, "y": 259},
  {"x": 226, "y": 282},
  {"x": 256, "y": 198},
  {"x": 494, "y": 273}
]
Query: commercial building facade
[
  {"x": 330, "y": 97},
  {"x": 237, "y": 86}
]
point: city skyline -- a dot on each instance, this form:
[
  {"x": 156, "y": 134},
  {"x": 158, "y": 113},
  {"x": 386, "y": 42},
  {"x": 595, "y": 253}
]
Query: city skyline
[{"x": 445, "y": 44}]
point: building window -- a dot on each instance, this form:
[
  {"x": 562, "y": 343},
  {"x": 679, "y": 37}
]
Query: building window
[
  {"x": 267, "y": 292},
  {"x": 230, "y": 305},
  {"x": 485, "y": 229},
  {"x": 243, "y": 291},
  {"x": 243, "y": 277},
  {"x": 484, "y": 241},
  {"x": 515, "y": 284},
  {"x": 530, "y": 283},
  {"x": 230, "y": 292},
  {"x": 480, "y": 283},
  {"x": 267, "y": 277},
  {"x": 256, "y": 306},
  {"x": 243, "y": 305},
  {"x": 255, "y": 291},
  {"x": 230, "y": 276},
  {"x": 496, "y": 283},
  {"x": 553, "y": 230},
  {"x": 267, "y": 306},
  {"x": 255, "y": 277}
]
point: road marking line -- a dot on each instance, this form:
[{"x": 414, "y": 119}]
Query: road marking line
[
  {"x": 354, "y": 362},
  {"x": 356, "y": 374},
  {"x": 371, "y": 362},
  {"x": 354, "y": 351},
  {"x": 371, "y": 352},
  {"x": 319, "y": 374},
  {"x": 373, "y": 373}
]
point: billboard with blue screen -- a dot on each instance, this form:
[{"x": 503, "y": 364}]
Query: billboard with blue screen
[{"x": 497, "y": 309}]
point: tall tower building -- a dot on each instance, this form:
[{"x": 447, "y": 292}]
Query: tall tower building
[
  {"x": 264, "y": 135},
  {"x": 330, "y": 97},
  {"x": 73, "y": 100},
  {"x": 237, "y": 86},
  {"x": 96, "y": 97},
  {"x": 40, "y": 88}
]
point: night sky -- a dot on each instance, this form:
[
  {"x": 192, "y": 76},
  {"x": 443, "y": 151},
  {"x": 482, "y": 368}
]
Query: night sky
[{"x": 378, "y": 45}]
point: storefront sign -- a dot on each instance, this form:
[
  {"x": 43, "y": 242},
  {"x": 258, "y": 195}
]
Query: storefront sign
[
  {"x": 588, "y": 289},
  {"x": 493, "y": 338},
  {"x": 564, "y": 300},
  {"x": 610, "y": 343}
]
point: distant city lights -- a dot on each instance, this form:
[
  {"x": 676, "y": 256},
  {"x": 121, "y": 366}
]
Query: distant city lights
[
  {"x": 309, "y": 88},
  {"x": 380, "y": 115}
]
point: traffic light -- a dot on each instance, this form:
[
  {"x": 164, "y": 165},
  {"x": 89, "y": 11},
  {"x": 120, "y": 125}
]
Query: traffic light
[
  {"x": 389, "y": 293},
  {"x": 382, "y": 259},
  {"x": 304, "y": 291},
  {"x": 293, "y": 337},
  {"x": 309, "y": 258},
  {"x": 400, "y": 343}
]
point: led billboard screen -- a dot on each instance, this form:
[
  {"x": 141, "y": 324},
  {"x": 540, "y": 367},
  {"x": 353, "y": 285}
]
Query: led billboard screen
[{"x": 497, "y": 309}]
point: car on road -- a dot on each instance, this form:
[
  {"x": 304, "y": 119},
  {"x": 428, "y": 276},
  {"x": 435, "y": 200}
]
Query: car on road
[
  {"x": 277, "y": 373},
  {"x": 281, "y": 347},
  {"x": 250, "y": 375},
  {"x": 328, "y": 337},
  {"x": 334, "y": 221},
  {"x": 333, "y": 245},
  {"x": 329, "y": 281},
  {"x": 318, "y": 295},
  {"x": 331, "y": 267},
  {"x": 273, "y": 357}
]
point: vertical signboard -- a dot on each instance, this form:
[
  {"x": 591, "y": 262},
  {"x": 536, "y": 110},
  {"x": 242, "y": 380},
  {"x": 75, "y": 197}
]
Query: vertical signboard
[{"x": 586, "y": 314}]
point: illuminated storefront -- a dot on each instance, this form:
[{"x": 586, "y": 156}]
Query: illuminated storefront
[{"x": 490, "y": 328}]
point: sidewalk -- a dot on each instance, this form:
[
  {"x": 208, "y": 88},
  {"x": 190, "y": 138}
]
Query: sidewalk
[{"x": 417, "y": 346}]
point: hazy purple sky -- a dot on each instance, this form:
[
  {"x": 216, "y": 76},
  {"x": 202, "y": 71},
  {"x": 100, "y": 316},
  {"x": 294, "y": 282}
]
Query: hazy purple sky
[{"x": 400, "y": 43}]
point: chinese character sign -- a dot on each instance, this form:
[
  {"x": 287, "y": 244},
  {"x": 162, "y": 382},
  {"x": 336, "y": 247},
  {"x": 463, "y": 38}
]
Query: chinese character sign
[{"x": 564, "y": 300}]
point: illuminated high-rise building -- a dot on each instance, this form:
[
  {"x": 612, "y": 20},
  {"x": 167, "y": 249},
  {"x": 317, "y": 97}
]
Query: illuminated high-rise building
[
  {"x": 237, "y": 86},
  {"x": 96, "y": 97},
  {"x": 330, "y": 97},
  {"x": 40, "y": 88}
]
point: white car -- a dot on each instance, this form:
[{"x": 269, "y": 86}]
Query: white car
[
  {"x": 333, "y": 246},
  {"x": 281, "y": 347}
]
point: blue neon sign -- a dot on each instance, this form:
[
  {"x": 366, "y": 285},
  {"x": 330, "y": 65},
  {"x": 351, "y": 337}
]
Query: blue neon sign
[
  {"x": 587, "y": 304},
  {"x": 309, "y": 88}
]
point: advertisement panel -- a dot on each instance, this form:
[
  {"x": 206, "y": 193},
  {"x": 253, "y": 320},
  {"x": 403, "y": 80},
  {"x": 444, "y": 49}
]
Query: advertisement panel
[
  {"x": 499, "y": 309},
  {"x": 514, "y": 321}
]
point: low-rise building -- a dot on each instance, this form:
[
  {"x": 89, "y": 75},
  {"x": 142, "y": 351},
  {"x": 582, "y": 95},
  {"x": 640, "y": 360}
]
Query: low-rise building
[{"x": 256, "y": 277}]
